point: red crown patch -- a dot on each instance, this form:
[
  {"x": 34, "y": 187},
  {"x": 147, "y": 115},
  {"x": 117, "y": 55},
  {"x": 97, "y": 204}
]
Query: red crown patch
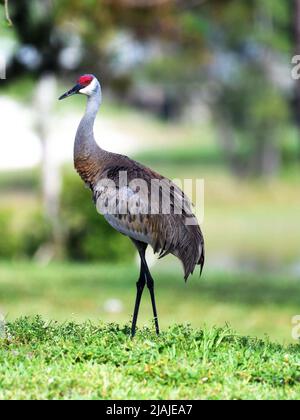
[{"x": 85, "y": 80}]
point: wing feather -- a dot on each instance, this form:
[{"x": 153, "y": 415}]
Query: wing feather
[{"x": 177, "y": 232}]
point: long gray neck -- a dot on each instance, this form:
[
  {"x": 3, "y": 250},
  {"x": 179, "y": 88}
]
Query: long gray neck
[{"x": 85, "y": 144}]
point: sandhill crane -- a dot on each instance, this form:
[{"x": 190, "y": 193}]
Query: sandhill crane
[{"x": 134, "y": 207}]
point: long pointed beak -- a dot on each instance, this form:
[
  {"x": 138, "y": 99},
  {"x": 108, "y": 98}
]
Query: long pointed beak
[{"x": 71, "y": 92}]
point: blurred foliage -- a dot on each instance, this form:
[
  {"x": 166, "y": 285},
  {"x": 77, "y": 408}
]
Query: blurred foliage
[
  {"x": 36, "y": 233},
  {"x": 26, "y": 240},
  {"x": 224, "y": 53},
  {"x": 8, "y": 240},
  {"x": 230, "y": 45},
  {"x": 87, "y": 234},
  {"x": 14, "y": 181},
  {"x": 255, "y": 114}
]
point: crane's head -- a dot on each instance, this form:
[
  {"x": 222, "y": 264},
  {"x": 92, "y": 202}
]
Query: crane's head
[{"x": 86, "y": 85}]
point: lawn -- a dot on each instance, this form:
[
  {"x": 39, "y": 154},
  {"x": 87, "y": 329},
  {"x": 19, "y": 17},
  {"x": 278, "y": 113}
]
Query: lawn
[{"x": 100, "y": 361}]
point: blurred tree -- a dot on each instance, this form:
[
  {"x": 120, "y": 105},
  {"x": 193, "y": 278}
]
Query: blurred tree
[
  {"x": 7, "y": 14},
  {"x": 250, "y": 101},
  {"x": 226, "y": 50},
  {"x": 44, "y": 100},
  {"x": 231, "y": 53},
  {"x": 256, "y": 91},
  {"x": 38, "y": 54},
  {"x": 295, "y": 5}
]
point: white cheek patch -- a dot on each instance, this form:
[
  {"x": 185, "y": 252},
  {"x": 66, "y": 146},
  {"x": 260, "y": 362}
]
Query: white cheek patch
[{"x": 90, "y": 89}]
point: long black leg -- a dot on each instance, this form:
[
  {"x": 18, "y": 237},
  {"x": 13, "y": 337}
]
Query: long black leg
[
  {"x": 139, "y": 291},
  {"x": 145, "y": 277},
  {"x": 150, "y": 285}
]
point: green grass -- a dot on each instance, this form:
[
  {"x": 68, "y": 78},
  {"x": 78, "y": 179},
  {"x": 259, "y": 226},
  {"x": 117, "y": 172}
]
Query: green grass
[
  {"x": 253, "y": 304},
  {"x": 98, "y": 361}
]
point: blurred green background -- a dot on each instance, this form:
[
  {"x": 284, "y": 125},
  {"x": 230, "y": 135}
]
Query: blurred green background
[{"x": 194, "y": 89}]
